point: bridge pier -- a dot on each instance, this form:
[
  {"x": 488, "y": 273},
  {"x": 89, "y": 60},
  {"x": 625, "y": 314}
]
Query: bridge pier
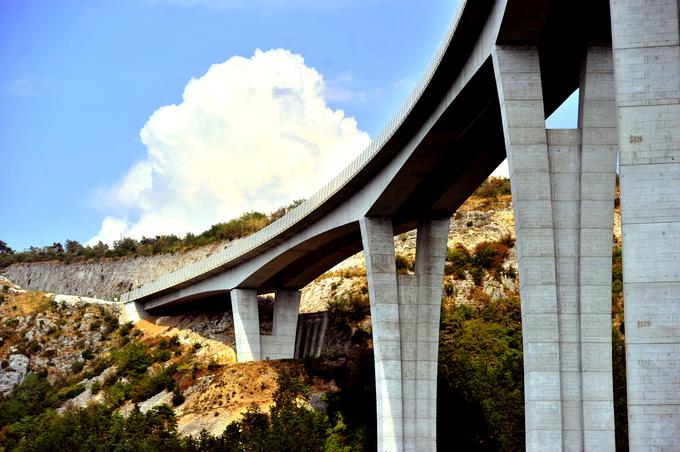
[
  {"x": 646, "y": 43},
  {"x": 250, "y": 344},
  {"x": 563, "y": 184},
  {"x": 405, "y": 312}
]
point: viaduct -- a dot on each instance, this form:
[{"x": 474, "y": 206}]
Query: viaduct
[{"x": 502, "y": 68}]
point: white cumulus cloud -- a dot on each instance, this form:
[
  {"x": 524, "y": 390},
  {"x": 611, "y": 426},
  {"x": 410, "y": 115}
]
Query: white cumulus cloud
[{"x": 251, "y": 134}]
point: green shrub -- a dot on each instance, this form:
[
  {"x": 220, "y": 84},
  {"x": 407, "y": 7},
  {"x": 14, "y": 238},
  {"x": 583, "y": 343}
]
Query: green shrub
[
  {"x": 87, "y": 354},
  {"x": 95, "y": 387},
  {"x": 125, "y": 328},
  {"x": 148, "y": 386},
  {"x": 162, "y": 356},
  {"x": 70, "y": 392},
  {"x": 77, "y": 366},
  {"x": 177, "y": 398},
  {"x": 117, "y": 393},
  {"x": 481, "y": 378},
  {"x": 29, "y": 398},
  {"x": 132, "y": 360}
]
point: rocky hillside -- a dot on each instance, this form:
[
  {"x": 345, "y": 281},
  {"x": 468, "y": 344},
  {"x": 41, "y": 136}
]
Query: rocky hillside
[
  {"x": 75, "y": 352},
  {"x": 479, "y": 220},
  {"x": 80, "y": 347}
]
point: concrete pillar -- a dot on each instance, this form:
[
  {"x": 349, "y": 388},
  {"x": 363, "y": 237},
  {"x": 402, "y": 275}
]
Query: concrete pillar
[
  {"x": 518, "y": 81},
  {"x": 286, "y": 307},
  {"x": 133, "y": 312},
  {"x": 250, "y": 344},
  {"x": 405, "y": 321},
  {"x": 246, "y": 324},
  {"x": 377, "y": 236},
  {"x": 323, "y": 326},
  {"x": 563, "y": 199},
  {"x": 646, "y": 45},
  {"x": 599, "y": 147}
]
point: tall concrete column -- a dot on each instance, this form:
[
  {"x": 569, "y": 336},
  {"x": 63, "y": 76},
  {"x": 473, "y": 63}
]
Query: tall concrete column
[
  {"x": 405, "y": 320},
  {"x": 563, "y": 199},
  {"x": 518, "y": 80},
  {"x": 646, "y": 44},
  {"x": 246, "y": 324},
  {"x": 599, "y": 147},
  {"x": 431, "y": 242},
  {"x": 377, "y": 236}
]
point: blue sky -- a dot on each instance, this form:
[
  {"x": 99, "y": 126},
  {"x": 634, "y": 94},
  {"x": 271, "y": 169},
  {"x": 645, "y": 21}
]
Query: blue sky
[{"x": 80, "y": 80}]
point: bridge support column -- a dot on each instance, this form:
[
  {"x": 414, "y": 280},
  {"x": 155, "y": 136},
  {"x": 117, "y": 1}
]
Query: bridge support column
[
  {"x": 405, "y": 313},
  {"x": 563, "y": 199},
  {"x": 281, "y": 344},
  {"x": 250, "y": 344},
  {"x": 133, "y": 312},
  {"x": 646, "y": 42},
  {"x": 246, "y": 324}
]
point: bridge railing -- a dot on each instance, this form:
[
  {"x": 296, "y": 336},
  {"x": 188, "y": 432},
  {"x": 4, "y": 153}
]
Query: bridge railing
[{"x": 245, "y": 245}]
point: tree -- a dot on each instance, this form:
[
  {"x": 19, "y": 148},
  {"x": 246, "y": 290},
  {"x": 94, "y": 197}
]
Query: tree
[
  {"x": 73, "y": 247},
  {"x": 5, "y": 249}
]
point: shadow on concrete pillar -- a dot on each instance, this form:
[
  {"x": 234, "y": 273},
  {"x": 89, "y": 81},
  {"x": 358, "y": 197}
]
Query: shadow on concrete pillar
[
  {"x": 646, "y": 46},
  {"x": 405, "y": 313},
  {"x": 246, "y": 324},
  {"x": 563, "y": 201}
]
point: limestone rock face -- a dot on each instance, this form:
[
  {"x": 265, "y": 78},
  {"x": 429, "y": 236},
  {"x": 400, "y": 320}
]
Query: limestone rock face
[
  {"x": 106, "y": 279},
  {"x": 14, "y": 373}
]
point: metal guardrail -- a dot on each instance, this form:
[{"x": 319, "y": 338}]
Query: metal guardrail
[{"x": 247, "y": 244}]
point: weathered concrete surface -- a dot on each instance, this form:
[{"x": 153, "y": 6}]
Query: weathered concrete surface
[
  {"x": 647, "y": 66},
  {"x": 563, "y": 196},
  {"x": 405, "y": 320}
]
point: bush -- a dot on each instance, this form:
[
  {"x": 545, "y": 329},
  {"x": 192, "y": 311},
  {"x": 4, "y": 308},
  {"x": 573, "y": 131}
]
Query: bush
[
  {"x": 29, "y": 398},
  {"x": 493, "y": 187},
  {"x": 77, "y": 366},
  {"x": 96, "y": 387},
  {"x": 177, "y": 398},
  {"x": 70, "y": 392},
  {"x": 403, "y": 263},
  {"x": 133, "y": 360}
]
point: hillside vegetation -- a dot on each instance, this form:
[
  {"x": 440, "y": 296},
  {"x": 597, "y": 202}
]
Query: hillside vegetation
[{"x": 73, "y": 251}]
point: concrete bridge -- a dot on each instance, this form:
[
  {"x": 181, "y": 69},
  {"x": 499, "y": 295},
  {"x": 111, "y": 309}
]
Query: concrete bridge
[{"x": 502, "y": 68}]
